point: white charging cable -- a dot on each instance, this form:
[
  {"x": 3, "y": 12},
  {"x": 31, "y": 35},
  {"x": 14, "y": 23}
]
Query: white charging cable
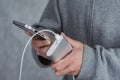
[
  {"x": 73, "y": 77},
  {"x": 57, "y": 36},
  {"x": 23, "y": 53}
]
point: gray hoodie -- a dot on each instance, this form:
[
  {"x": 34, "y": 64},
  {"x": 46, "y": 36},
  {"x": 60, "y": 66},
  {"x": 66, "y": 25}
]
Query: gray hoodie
[{"x": 96, "y": 23}]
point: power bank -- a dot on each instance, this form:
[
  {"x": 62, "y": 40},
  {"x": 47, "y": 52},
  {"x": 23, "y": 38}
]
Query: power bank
[{"x": 59, "y": 49}]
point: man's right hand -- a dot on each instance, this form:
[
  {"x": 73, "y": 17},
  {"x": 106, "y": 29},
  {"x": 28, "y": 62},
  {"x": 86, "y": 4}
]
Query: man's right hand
[{"x": 40, "y": 46}]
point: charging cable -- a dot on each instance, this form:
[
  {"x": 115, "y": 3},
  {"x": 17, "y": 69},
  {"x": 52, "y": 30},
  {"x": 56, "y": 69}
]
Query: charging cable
[
  {"x": 57, "y": 36},
  {"x": 73, "y": 77}
]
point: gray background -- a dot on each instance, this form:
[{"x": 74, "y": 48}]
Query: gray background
[{"x": 13, "y": 40}]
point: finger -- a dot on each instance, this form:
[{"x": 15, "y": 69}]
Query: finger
[
  {"x": 70, "y": 70},
  {"x": 58, "y": 66},
  {"x": 42, "y": 51},
  {"x": 62, "y": 64},
  {"x": 64, "y": 71},
  {"x": 35, "y": 38},
  {"x": 28, "y": 33},
  {"x": 40, "y": 43}
]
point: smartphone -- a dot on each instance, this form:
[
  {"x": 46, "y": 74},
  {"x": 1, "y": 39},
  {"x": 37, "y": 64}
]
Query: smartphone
[
  {"x": 59, "y": 49},
  {"x": 28, "y": 28}
]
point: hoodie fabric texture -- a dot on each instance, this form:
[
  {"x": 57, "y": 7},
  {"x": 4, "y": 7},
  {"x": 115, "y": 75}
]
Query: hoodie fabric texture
[{"x": 96, "y": 23}]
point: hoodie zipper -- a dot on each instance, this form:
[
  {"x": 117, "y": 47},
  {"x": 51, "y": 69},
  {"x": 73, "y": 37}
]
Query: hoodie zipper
[{"x": 90, "y": 23}]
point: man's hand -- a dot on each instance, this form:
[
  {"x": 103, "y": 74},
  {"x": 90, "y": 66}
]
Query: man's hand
[
  {"x": 71, "y": 64},
  {"x": 40, "y": 46}
]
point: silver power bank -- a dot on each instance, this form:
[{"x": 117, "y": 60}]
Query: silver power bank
[{"x": 59, "y": 49}]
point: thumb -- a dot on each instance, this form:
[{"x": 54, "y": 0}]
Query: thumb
[{"x": 70, "y": 40}]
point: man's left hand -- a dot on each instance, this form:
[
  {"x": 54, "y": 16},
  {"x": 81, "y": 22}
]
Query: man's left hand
[{"x": 71, "y": 64}]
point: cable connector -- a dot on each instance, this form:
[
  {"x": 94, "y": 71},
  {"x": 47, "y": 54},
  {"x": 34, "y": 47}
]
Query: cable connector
[{"x": 57, "y": 36}]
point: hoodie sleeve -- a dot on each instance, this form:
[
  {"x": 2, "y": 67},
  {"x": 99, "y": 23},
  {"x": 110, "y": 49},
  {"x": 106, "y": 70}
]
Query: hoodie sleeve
[
  {"x": 50, "y": 19},
  {"x": 100, "y": 64}
]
